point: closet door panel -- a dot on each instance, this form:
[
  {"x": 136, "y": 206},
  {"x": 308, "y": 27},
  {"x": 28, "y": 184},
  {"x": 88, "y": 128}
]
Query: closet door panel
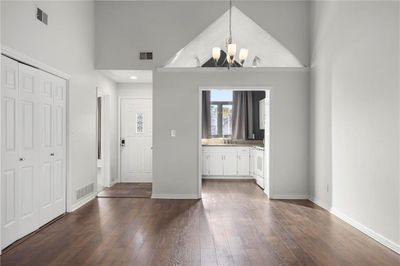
[
  {"x": 28, "y": 119},
  {"x": 9, "y": 158},
  {"x": 46, "y": 110},
  {"x": 59, "y": 145},
  {"x": 33, "y": 173}
]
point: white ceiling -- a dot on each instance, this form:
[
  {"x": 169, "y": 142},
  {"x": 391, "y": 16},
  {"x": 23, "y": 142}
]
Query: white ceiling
[
  {"x": 124, "y": 76},
  {"x": 246, "y": 34}
]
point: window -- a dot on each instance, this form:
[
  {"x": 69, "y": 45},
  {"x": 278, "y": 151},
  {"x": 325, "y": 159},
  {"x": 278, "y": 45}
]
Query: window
[{"x": 221, "y": 113}]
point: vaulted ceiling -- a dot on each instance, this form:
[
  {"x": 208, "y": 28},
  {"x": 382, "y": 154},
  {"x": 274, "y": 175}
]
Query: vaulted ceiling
[{"x": 246, "y": 34}]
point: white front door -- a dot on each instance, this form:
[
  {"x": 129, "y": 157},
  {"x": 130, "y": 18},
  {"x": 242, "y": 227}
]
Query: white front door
[{"x": 136, "y": 140}]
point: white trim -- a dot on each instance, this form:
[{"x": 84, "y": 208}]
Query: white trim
[
  {"x": 357, "y": 225},
  {"x": 175, "y": 196},
  {"x": 233, "y": 69},
  {"x": 113, "y": 182},
  {"x": 120, "y": 98},
  {"x": 267, "y": 89},
  {"x": 83, "y": 202},
  {"x": 228, "y": 177},
  {"x": 289, "y": 197},
  {"x": 366, "y": 230},
  {"x": 320, "y": 203},
  {"x": 14, "y": 54}
]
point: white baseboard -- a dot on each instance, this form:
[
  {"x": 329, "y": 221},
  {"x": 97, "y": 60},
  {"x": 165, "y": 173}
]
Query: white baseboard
[
  {"x": 289, "y": 197},
  {"x": 175, "y": 196},
  {"x": 362, "y": 228},
  {"x": 366, "y": 230},
  {"x": 140, "y": 180},
  {"x": 320, "y": 203},
  {"x": 228, "y": 177},
  {"x": 113, "y": 183},
  {"x": 82, "y": 202}
]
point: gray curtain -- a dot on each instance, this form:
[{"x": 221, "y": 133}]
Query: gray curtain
[
  {"x": 206, "y": 115},
  {"x": 242, "y": 115}
]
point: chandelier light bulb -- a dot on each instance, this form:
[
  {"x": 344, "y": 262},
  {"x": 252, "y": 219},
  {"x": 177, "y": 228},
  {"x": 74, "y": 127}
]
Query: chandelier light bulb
[
  {"x": 216, "y": 53},
  {"x": 243, "y": 54},
  {"x": 232, "y": 49}
]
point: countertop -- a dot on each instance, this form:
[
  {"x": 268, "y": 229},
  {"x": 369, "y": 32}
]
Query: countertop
[{"x": 234, "y": 145}]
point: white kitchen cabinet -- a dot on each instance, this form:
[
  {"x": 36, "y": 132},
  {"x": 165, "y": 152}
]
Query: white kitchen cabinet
[
  {"x": 230, "y": 163},
  {"x": 216, "y": 163},
  {"x": 262, "y": 113},
  {"x": 226, "y": 161},
  {"x": 205, "y": 164},
  {"x": 243, "y": 162}
]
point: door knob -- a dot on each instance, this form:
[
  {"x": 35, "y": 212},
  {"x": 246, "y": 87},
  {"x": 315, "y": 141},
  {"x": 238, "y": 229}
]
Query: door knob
[
  {"x": 21, "y": 159},
  {"x": 52, "y": 154}
]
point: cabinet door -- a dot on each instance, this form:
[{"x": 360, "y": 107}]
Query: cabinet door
[
  {"x": 251, "y": 163},
  {"x": 243, "y": 163},
  {"x": 230, "y": 163},
  {"x": 205, "y": 163},
  {"x": 216, "y": 163},
  {"x": 262, "y": 113}
]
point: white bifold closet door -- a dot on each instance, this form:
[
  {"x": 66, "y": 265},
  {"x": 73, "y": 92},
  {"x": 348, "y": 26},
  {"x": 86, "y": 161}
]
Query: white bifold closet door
[{"x": 33, "y": 149}]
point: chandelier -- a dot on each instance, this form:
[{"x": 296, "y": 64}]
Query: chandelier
[{"x": 230, "y": 48}]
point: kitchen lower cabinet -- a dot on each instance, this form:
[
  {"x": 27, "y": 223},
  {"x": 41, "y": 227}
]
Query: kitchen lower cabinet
[
  {"x": 216, "y": 163},
  {"x": 230, "y": 163},
  {"x": 226, "y": 161},
  {"x": 243, "y": 162}
]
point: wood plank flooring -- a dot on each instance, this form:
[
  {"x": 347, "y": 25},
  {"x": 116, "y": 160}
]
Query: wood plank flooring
[
  {"x": 234, "y": 224},
  {"x": 127, "y": 190}
]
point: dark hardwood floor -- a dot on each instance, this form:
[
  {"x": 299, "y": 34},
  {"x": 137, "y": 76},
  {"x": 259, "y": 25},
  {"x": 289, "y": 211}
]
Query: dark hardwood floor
[
  {"x": 234, "y": 224},
  {"x": 127, "y": 190}
]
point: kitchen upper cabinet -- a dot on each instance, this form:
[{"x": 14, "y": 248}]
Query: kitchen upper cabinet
[{"x": 262, "y": 113}]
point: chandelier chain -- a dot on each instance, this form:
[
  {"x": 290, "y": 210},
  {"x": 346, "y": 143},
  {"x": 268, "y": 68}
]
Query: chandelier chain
[{"x": 230, "y": 21}]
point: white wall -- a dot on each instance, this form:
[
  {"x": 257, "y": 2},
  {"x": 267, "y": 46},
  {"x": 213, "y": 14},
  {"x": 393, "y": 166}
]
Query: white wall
[
  {"x": 135, "y": 90},
  {"x": 105, "y": 90},
  {"x": 176, "y": 106},
  {"x": 67, "y": 44},
  {"x": 355, "y": 132},
  {"x": 123, "y": 28}
]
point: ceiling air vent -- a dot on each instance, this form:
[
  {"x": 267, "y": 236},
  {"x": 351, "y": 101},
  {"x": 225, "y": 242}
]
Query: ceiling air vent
[
  {"x": 146, "y": 56},
  {"x": 40, "y": 15}
]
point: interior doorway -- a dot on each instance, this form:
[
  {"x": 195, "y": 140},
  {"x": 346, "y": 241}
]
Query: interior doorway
[
  {"x": 234, "y": 135},
  {"x": 104, "y": 127}
]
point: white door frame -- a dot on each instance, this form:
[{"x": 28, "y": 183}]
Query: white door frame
[
  {"x": 14, "y": 54},
  {"x": 268, "y": 91},
  {"x": 120, "y": 98}
]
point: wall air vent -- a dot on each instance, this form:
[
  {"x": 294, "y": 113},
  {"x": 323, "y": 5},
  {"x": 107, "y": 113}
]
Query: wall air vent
[
  {"x": 146, "y": 56},
  {"x": 41, "y": 16},
  {"x": 84, "y": 191}
]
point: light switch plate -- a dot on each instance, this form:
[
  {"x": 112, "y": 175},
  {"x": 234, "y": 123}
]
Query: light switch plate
[{"x": 173, "y": 133}]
